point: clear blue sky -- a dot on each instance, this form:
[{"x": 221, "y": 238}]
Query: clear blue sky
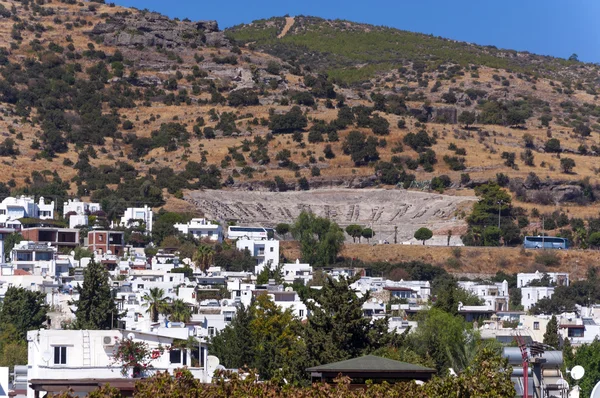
[{"x": 548, "y": 27}]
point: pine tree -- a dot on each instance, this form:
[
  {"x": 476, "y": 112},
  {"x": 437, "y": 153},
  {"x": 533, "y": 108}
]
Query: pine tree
[
  {"x": 551, "y": 336},
  {"x": 23, "y": 309},
  {"x": 234, "y": 345},
  {"x": 96, "y": 308},
  {"x": 336, "y": 328}
]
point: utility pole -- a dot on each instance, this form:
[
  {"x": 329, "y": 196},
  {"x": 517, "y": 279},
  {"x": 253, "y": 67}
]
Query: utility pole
[
  {"x": 395, "y": 234},
  {"x": 543, "y": 233},
  {"x": 499, "y": 209}
]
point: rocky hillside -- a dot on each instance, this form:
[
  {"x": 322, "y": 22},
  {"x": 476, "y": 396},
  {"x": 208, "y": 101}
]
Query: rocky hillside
[{"x": 128, "y": 106}]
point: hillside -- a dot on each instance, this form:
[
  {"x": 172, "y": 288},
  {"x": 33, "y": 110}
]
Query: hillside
[{"x": 129, "y": 107}]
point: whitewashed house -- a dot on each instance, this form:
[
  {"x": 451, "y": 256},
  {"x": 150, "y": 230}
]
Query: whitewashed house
[
  {"x": 264, "y": 251},
  {"x": 78, "y": 207},
  {"x": 58, "y": 359},
  {"x": 135, "y": 215},
  {"x": 11, "y": 209},
  {"x": 34, "y": 258},
  {"x": 201, "y": 228},
  {"x": 297, "y": 271},
  {"x": 557, "y": 278},
  {"x": 494, "y": 295},
  {"x": 530, "y": 295}
]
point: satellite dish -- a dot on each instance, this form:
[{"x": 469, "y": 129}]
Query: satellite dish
[
  {"x": 47, "y": 356},
  {"x": 577, "y": 372},
  {"x": 212, "y": 362},
  {"x": 596, "y": 391},
  {"x": 131, "y": 336}
]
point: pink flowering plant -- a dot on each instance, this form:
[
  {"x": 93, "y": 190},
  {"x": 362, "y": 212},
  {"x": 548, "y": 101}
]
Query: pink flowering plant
[{"x": 135, "y": 355}]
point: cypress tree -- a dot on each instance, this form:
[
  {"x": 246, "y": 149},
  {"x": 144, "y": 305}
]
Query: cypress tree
[
  {"x": 551, "y": 335},
  {"x": 96, "y": 308}
]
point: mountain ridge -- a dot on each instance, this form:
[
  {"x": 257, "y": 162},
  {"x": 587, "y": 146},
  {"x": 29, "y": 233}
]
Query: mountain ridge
[{"x": 108, "y": 103}]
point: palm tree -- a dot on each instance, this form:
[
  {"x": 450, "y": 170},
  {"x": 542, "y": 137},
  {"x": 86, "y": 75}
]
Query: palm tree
[
  {"x": 179, "y": 311},
  {"x": 204, "y": 257},
  {"x": 156, "y": 302}
]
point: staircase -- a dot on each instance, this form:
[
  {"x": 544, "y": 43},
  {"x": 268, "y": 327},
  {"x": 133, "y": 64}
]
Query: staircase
[{"x": 87, "y": 354}]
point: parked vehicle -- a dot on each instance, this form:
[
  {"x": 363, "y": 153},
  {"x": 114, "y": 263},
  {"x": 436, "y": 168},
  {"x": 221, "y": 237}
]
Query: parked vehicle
[{"x": 545, "y": 242}]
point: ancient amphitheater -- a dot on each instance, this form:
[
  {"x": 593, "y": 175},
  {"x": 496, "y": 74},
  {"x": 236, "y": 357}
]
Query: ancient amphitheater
[{"x": 382, "y": 210}]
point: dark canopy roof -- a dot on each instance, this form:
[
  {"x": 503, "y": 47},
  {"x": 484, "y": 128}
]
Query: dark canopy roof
[{"x": 370, "y": 364}]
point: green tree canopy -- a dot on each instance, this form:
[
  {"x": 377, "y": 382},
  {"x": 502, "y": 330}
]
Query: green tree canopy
[
  {"x": 336, "y": 328},
  {"x": 156, "y": 302},
  {"x": 96, "y": 308},
  {"x": 551, "y": 336},
  {"x": 355, "y": 231},
  {"x": 423, "y": 234},
  {"x": 467, "y": 118},
  {"x": 320, "y": 239},
  {"x": 23, "y": 309}
]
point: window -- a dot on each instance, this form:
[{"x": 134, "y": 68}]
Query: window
[
  {"x": 176, "y": 356},
  {"x": 536, "y": 326},
  {"x": 211, "y": 331},
  {"x": 271, "y": 250},
  {"x": 60, "y": 355},
  {"x": 43, "y": 256},
  {"x": 24, "y": 256},
  {"x": 301, "y": 313},
  {"x": 210, "y": 233},
  {"x": 100, "y": 238},
  {"x": 575, "y": 332}
]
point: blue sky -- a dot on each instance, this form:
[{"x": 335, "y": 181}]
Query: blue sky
[{"x": 548, "y": 27}]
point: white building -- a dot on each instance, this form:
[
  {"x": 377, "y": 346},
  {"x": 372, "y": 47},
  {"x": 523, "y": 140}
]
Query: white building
[
  {"x": 494, "y": 296},
  {"x": 58, "y": 359},
  {"x": 134, "y": 215},
  {"x": 78, "y": 220},
  {"x": 201, "y": 228},
  {"x": 24, "y": 206},
  {"x": 297, "y": 270},
  {"x": 413, "y": 291},
  {"x": 264, "y": 251},
  {"x": 78, "y": 207},
  {"x": 557, "y": 278},
  {"x": 34, "y": 258},
  {"x": 530, "y": 295},
  {"x": 255, "y": 233}
]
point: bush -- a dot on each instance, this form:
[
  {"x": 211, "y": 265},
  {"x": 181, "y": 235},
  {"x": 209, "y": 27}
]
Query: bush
[
  {"x": 420, "y": 141},
  {"x": 293, "y": 120},
  {"x": 455, "y": 163},
  {"x": 362, "y": 150},
  {"x": 552, "y": 145},
  {"x": 567, "y": 165},
  {"x": 243, "y": 97},
  {"x": 380, "y": 125},
  {"x": 548, "y": 258}
]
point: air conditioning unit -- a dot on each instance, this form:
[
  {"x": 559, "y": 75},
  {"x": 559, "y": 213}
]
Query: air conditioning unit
[{"x": 108, "y": 341}]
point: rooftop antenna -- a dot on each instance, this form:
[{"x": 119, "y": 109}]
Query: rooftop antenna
[{"x": 577, "y": 372}]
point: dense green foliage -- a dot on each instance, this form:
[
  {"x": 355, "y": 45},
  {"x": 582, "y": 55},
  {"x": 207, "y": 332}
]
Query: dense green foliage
[
  {"x": 338, "y": 46},
  {"x": 24, "y": 310},
  {"x": 320, "y": 239},
  {"x": 96, "y": 307}
]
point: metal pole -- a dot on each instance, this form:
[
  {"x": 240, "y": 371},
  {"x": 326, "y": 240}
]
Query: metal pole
[{"x": 499, "y": 208}]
